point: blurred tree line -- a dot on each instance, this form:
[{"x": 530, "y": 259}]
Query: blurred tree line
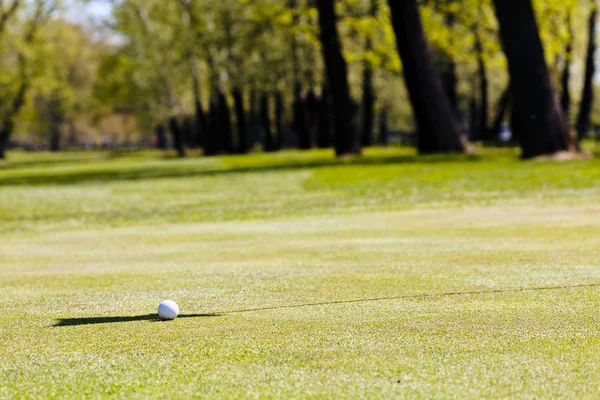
[{"x": 230, "y": 76}]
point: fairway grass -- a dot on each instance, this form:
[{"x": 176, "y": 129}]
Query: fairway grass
[{"x": 299, "y": 276}]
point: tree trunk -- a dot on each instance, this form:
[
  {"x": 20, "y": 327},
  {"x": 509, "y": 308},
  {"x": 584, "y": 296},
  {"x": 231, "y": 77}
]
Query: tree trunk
[
  {"x": 54, "y": 139},
  {"x": 474, "y": 117},
  {"x": 438, "y": 128},
  {"x": 279, "y": 111},
  {"x": 383, "y": 127},
  {"x": 501, "y": 109},
  {"x": 538, "y": 121},
  {"x": 225, "y": 128},
  {"x": 254, "y": 123},
  {"x": 177, "y": 136},
  {"x": 324, "y": 129},
  {"x": 565, "y": 98},
  {"x": 300, "y": 123},
  {"x": 161, "y": 138},
  {"x": 482, "y": 126},
  {"x": 240, "y": 116},
  {"x": 587, "y": 96},
  {"x": 368, "y": 103},
  {"x": 312, "y": 115},
  {"x": 269, "y": 141},
  {"x": 211, "y": 139},
  {"x": 344, "y": 111}
]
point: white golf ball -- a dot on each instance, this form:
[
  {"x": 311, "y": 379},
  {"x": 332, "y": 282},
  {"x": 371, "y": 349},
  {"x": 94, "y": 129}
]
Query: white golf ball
[{"x": 168, "y": 310}]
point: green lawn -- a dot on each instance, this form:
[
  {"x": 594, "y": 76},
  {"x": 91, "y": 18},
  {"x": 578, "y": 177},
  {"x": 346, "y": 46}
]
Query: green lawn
[{"x": 299, "y": 276}]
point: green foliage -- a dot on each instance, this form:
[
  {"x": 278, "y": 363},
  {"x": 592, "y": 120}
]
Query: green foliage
[{"x": 159, "y": 46}]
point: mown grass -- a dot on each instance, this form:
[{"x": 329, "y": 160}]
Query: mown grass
[{"x": 299, "y": 275}]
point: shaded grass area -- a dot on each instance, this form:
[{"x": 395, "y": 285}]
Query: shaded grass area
[{"x": 440, "y": 278}]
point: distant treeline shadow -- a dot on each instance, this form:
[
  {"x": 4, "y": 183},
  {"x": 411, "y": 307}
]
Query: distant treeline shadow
[{"x": 110, "y": 320}]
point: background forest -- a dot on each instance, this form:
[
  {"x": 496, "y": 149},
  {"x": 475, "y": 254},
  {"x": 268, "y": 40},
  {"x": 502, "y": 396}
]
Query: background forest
[{"x": 231, "y": 76}]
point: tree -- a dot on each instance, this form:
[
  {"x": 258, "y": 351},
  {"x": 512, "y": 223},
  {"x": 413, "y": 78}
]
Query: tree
[
  {"x": 587, "y": 96},
  {"x": 42, "y": 10},
  {"x": 344, "y": 111},
  {"x": 538, "y": 121},
  {"x": 191, "y": 23},
  {"x": 438, "y": 129}
]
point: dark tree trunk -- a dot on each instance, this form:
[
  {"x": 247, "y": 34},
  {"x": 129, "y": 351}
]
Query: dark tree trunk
[
  {"x": 368, "y": 104},
  {"x": 211, "y": 139},
  {"x": 565, "y": 97},
  {"x": 177, "y": 136},
  {"x": 383, "y": 127},
  {"x": 482, "y": 126},
  {"x": 538, "y": 121},
  {"x": 300, "y": 123},
  {"x": 254, "y": 123},
  {"x": 344, "y": 111},
  {"x": 5, "y": 133},
  {"x": 501, "y": 109},
  {"x": 474, "y": 117},
  {"x": 240, "y": 116},
  {"x": 188, "y": 128},
  {"x": 161, "y": 137},
  {"x": 438, "y": 128},
  {"x": 54, "y": 138},
  {"x": 279, "y": 111},
  {"x": 587, "y": 96},
  {"x": 225, "y": 128},
  {"x": 200, "y": 123},
  {"x": 324, "y": 129},
  {"x": 269, "y": 140},
  {"x": 312, "y": 115}
]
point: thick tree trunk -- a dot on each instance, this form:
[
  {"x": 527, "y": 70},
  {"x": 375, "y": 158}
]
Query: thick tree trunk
[
  {"x": 565, "y": 97},
  {"x": 279, "y": 111},
  {"x": 587, "y": 96},
  {"x": 177, "y": 136},
  {"x": 240, "y": 116},
  {"x": 344, "y": 111},
  {"x": 538, "y": 121},
  {"x": 438, "y": 128},
  {"x": 225, "y": 128}
]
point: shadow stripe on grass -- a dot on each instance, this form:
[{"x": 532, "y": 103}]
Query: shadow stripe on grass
[{"x": 154, "y": 317}]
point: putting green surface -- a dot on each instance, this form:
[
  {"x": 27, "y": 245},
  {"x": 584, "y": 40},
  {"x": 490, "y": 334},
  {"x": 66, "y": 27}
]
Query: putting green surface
[{"x": 299, "y": 276}]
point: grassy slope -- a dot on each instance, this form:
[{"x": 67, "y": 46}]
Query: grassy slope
[{"x": 265, "y": 256}]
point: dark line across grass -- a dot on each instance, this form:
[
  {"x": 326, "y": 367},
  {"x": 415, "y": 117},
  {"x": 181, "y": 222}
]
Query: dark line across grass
[{"x": 153, "y": 317}]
